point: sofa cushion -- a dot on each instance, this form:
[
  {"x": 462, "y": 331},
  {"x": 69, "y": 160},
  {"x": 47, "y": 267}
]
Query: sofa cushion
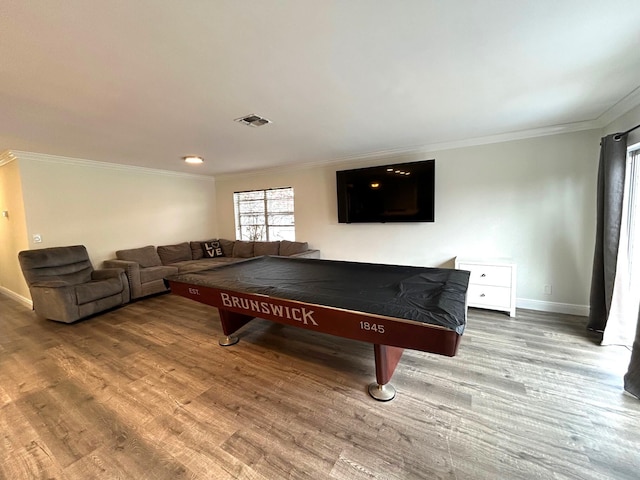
[
  {"x": 212, "y": 249},
  {"x": 266, "y": 248},
  {"x": 243, "y": 249},
  {"x": 174, "y": 253},
  {"x": 156, "y": 273},
  {"x": 186, "y": 265},
  {"x": 290, "y": 248},
  {"x": 196, "y": 249},
  {"x": 204, "y": 263},
  {"x": 216, "y": 262},
  {"x": 227, "y": 247},
  {"x": 145, "y": 256}
]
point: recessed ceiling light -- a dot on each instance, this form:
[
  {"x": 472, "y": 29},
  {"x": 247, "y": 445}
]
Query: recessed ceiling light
[{"x": 193, "y": 159}]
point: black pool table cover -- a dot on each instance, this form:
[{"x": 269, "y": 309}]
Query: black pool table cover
[{"x": 435, "y": 296}]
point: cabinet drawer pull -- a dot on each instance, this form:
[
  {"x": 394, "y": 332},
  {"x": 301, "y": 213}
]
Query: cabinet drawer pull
[
  {"x": 483, "y": 275},
  {"x": 482, "y": 295}
]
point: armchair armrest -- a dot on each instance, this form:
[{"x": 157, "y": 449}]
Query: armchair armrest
[
  {"x": 115, "y": 272},
  {"x": 105, "y": 273},
  {"x": 50, "y": 284}
]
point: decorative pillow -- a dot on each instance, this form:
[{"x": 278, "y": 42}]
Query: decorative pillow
[
  {"x": 212, "y": 249},
  {"x": 196, "y": 249},
  {"x": 145, "y": 256},
  {"x": 227, "y": 247},
  {"x": 266, "y": 248},
  {"x": 243, "y": 249},
  {"x": 174, "y": 253},
  {"x": 291, "y": 248}
]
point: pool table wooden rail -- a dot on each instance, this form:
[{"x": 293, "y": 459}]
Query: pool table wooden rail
[
  {"x": 366, "y": 327},
  {"x": 390, "y": 336}
]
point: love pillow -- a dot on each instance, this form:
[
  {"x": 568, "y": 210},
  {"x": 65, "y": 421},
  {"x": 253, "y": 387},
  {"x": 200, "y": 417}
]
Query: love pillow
[{"x": 212, "y": 249}]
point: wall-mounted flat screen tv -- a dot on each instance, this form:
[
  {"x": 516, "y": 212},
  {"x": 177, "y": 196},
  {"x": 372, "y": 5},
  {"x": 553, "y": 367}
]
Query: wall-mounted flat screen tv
[{"x": 403, "y": 192}]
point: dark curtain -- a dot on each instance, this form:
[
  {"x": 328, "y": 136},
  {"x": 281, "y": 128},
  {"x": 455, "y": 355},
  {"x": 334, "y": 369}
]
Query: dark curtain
[
  {"x": 632, "y": 378},
  {"x": 611, "y": 171}
]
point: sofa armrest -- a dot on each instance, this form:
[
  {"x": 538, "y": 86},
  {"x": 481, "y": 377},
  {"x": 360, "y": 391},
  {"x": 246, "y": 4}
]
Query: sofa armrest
[
  {"x": 132, "y": 271},
  {"x": 307, "y": 254}
]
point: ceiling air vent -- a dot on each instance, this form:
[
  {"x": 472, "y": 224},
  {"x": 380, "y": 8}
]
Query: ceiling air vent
[{"x": 253, "y": 120}]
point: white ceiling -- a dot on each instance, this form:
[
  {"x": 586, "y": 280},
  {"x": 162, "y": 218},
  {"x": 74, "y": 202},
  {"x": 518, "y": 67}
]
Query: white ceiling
[{"x": 144, "y": 82}]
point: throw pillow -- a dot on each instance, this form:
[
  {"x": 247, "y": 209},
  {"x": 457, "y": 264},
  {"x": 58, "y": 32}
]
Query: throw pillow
[
  {"x": 266, "y": 248},
  {"x": 174, "y": 253},
  {"x": 243, "y": 249},
  {"x": 196, "y": 248},
  {"x": 227, "y": 247},
  {"x": 212, "y": 249}
]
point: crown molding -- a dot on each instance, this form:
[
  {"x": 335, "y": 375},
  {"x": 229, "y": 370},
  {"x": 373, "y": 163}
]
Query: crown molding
[
  {"x": 628, "y": 103},
  {"x": 500, "y": 138},
  {"x": 6, "y": 157},
  {"x": 412, "y": 151},
  {"x": 43, "y": 157}
]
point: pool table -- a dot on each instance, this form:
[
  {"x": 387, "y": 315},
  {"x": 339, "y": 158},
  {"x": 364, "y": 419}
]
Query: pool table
[{"x": 394, "y": 307}]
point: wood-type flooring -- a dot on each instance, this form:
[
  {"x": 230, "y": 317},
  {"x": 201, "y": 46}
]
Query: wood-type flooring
[{"x": 145, "y": 392}]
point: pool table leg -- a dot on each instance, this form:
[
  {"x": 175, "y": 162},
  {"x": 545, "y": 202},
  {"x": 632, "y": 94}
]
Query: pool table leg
[
  {"x": 387, "y": 359},
  {"x": 231, "y": 323}
]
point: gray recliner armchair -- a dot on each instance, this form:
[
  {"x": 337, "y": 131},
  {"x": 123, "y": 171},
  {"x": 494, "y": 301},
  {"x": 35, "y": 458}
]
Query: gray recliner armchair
[{"x": 65, "y": 287}]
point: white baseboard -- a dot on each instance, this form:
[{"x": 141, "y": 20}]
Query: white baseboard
[
  {"x": 9, "y": 293},
  {"x": 555, "y": 307}
]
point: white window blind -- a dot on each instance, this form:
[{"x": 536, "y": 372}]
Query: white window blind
[{"x": 265, "y": 215}]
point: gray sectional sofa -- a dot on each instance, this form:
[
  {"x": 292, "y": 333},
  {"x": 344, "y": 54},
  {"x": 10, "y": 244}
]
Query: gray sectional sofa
[{"x": 146, "y": 267}]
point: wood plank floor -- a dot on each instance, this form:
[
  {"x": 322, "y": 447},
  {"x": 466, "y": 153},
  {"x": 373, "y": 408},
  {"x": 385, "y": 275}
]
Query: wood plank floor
[{"x": 145, "y": 392}]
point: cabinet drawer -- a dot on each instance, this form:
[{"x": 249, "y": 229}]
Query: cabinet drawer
[
  {"x": 496, "y": 275},
  {"x": 489, "y": 296}
]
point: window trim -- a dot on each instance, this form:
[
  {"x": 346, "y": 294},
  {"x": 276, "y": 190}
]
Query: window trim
[{"x": 265, "y": 199}]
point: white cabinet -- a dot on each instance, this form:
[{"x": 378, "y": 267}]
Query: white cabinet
[{"x": 492, "y": 284}]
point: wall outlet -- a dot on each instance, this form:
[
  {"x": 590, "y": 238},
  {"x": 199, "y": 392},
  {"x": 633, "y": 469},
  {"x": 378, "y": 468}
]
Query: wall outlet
[
  {"x": 37, "y": 238},
  {"x": 548, "y": 290}
]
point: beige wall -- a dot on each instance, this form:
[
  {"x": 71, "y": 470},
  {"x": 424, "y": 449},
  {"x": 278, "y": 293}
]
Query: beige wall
[
  {"x": 107, "y": 207},
  {"x": 529, "y": 200},
  {"x": 13, "y": 231}
]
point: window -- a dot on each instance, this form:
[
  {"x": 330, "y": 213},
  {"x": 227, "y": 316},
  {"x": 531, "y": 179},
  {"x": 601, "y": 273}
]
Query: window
[{"x": 265, "y": 214}]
